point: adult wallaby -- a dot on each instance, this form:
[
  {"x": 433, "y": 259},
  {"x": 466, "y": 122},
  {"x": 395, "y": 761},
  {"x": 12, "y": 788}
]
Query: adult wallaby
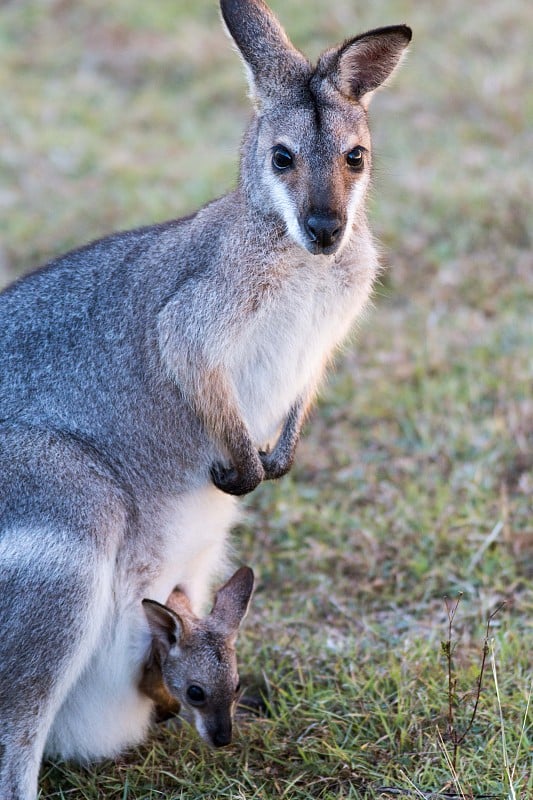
[
  {"x": 191, "y": 663},
  {"x": 142, "y": 380}
]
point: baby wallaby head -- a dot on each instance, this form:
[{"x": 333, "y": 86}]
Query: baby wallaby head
[{"x": 193, "y": 661}]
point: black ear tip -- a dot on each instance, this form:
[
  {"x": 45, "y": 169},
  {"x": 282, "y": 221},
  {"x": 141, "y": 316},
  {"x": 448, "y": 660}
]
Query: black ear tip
[
  {"x": 233, "y": 10},
  {"x": 403, "y": 32},
  {"x": 407, "y": 32},
  {"x": 248, "y": 576}
]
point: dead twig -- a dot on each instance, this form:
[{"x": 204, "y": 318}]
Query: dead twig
[{"x": 448, "y": 648}]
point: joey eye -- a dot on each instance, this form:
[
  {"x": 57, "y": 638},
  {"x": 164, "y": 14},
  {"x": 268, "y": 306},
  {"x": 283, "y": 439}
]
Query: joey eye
[
  {"x": 355, "y": 158},
  {"x": 196, "y": 695},
  {"x": 281, "y": 158}
]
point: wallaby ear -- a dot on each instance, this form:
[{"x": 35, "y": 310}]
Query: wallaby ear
[
  {"x": 179, "y": 603},
  {"x": 165, "y": 625},
  {"x": 361, "y": 65},
  {"x": 232, "y": 601},
  {"x": 269, "y": 57}
]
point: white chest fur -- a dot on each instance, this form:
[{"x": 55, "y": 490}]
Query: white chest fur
[{"x": 286, "y": 350}]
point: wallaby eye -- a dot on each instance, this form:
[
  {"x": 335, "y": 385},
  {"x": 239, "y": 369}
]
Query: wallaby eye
[
  {"x": 196, "y": 695},
  {"x": 238, "y": 688},
  {"x": 355, "y": 158},
  {"x": 281, "y": 158}
]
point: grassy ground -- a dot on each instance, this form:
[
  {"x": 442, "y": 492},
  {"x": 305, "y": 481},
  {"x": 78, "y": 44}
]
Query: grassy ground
[{"x": 414, "y": 476}]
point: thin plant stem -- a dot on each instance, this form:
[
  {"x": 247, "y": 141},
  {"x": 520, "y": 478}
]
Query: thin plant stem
[
  {"x": 506, "y": 765},
  {"x": 479, "y": 684},
  {"x": 524, "y": 723}
]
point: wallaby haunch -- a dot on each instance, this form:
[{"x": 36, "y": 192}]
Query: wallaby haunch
[
  {"x": 191, "y": 664},
  {"x": 144, "y": 376}
]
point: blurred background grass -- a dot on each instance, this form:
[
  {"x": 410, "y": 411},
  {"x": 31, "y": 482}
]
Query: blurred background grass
[{"x": 414, "y": 477}]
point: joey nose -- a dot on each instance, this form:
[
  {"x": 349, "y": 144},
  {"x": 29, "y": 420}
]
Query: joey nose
[
  {"x": 323, "y": 229},
  {"x": 222, "y": 737}
]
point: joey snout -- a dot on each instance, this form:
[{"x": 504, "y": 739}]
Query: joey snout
[
  {"x": 222, "y": 734},
  {"x": 216, "y": 730}
]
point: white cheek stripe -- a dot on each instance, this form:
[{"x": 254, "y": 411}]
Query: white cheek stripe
[
  {"x": 356, "y": 198},
  {"x": 200, "y": 726},
  {"x": 285, "y": 208}
]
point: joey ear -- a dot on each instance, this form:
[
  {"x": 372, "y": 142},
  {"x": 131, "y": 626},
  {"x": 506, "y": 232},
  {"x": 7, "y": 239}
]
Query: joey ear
[
  {"x": 269, "y": 57},
  {"x": 232, "y": 601},
  {"x": 179, "y": 603},
  {"x": 364, "y": 63},
  {"x": 165, "y": 625}
]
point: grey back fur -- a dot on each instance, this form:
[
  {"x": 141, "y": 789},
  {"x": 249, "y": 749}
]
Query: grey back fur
[{"x": 148, "y": 377}]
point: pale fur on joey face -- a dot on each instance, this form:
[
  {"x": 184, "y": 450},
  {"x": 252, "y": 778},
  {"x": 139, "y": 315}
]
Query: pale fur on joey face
[
  {"x": 203, "y": 676},
  {"x": 316, "y": 168}
]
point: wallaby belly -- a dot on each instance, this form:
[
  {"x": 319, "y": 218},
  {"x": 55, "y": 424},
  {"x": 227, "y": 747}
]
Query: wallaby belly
[
  {"x": 193, "y": 551},
  {"x": 104, "y": 712}
]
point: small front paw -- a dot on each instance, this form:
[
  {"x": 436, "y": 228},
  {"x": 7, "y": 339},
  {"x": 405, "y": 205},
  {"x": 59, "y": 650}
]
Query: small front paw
[
  {"x": 274, "y": 466},
  {"x": 231, "y": 481}
]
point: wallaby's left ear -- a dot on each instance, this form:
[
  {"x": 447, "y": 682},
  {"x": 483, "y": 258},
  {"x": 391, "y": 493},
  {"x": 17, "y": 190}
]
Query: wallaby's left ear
[
  {"x": 232, "y": 601},
  {"x": 166, "y": 627},
  {"x": 361, "y": 65}
]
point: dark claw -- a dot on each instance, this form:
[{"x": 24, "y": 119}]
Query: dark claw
[
  {"x": 274, "y": 467},
  {"x": 231, "y": 481}
]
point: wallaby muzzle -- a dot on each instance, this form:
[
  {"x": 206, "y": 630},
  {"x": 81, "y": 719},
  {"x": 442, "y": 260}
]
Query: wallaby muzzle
[
  {"x": 221, "y": 735},
  {"x": 324, "y": 231}
]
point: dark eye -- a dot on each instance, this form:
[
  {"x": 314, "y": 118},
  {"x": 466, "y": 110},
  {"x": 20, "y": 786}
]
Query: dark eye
[
  {"x": 238, "y": 688},
  {"x": 196, "y": 695},
  {"x": 281, "y": 158},
  {"x": 355, "y": 158}
]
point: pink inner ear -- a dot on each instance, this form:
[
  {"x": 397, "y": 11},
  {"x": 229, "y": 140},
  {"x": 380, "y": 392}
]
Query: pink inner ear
[
  {"x": 362, "y": 70},
  {"x": 178, "y": 602},
  {"x": 367, "y": 62}
]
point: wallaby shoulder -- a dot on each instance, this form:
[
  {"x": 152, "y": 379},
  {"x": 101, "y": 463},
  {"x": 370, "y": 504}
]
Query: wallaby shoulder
[
  {"x": 79, "y": 338},
  {"x": 96, "y": 258}
]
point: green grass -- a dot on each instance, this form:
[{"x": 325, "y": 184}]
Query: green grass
[{"x": 413, "y": 480}]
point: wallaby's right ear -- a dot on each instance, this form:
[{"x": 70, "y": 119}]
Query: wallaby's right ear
[
  {"x": 269, "y": 57},
  {"x": 232, "y": 601},
  {"x": 166, "y": 626}
]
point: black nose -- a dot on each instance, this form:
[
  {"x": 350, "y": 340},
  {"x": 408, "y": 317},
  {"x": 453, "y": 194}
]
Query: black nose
[
  {"x": 222, "y": 737},
  {"x": 323, "y": 228}
]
